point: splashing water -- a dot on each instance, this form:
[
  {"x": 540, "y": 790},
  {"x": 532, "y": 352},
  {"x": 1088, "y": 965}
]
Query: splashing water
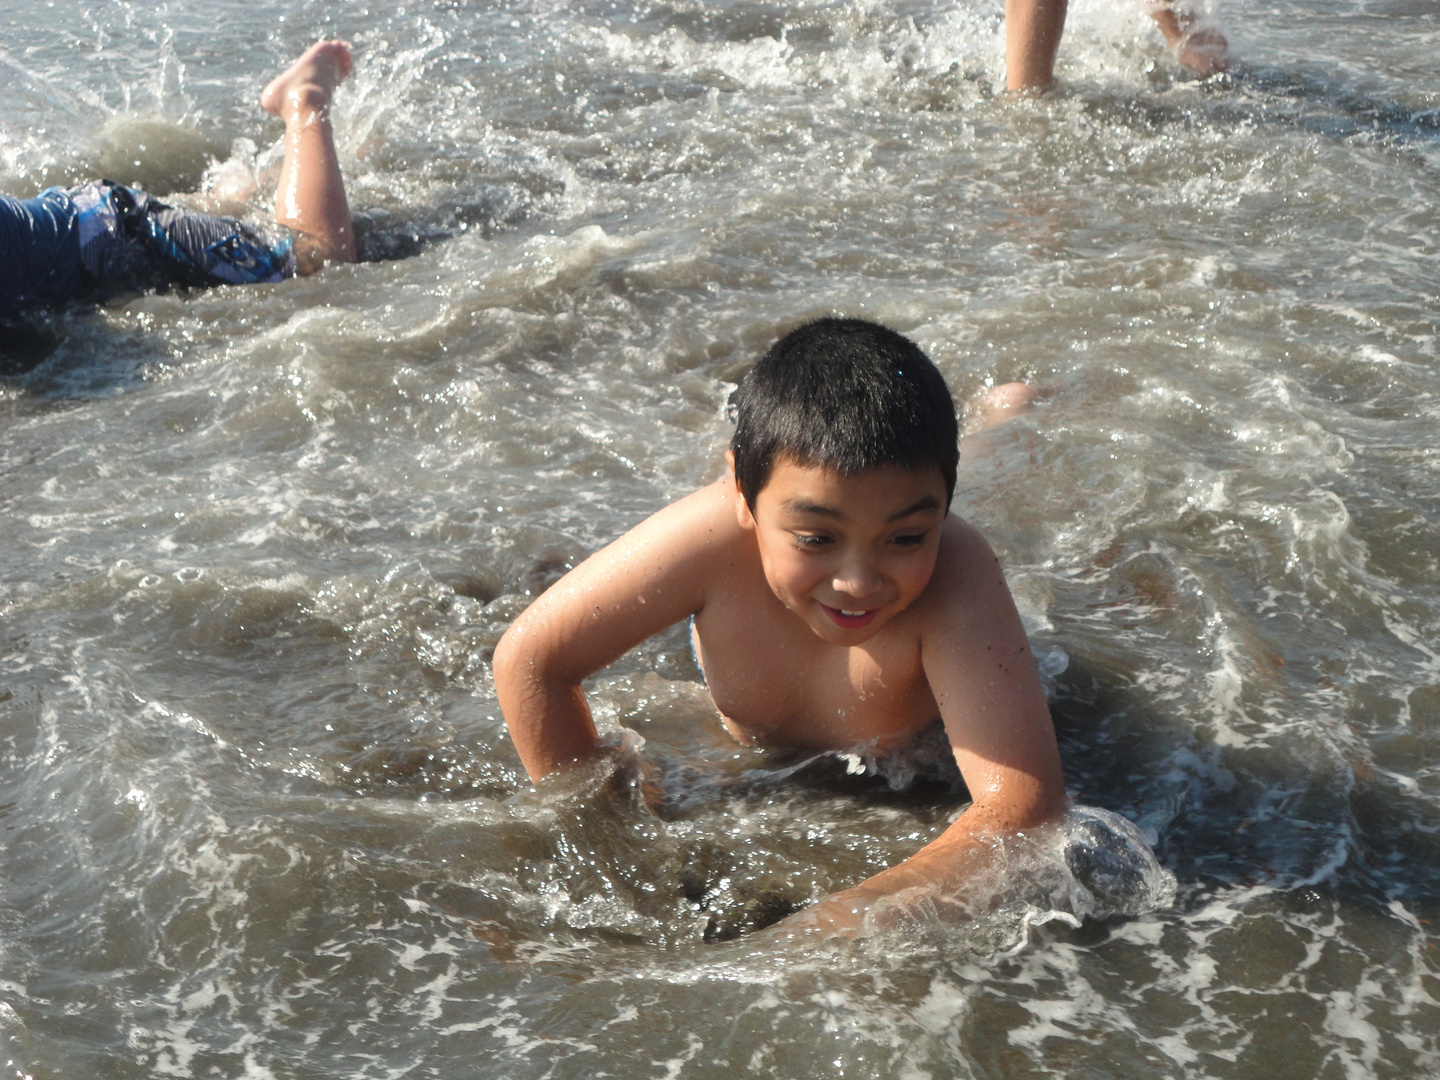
[{"x": 261, "y": 817}]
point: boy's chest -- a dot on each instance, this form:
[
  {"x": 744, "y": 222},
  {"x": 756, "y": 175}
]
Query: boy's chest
[{"x": 775, "y": 687}]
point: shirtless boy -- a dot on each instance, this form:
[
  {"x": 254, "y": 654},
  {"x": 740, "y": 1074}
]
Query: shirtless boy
[
  {"x": 102, "y": 237},
  {"x": 837, "y": 604}
]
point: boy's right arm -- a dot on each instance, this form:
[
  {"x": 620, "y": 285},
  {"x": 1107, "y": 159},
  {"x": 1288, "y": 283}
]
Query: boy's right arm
[{"x": 652, "y": 577}]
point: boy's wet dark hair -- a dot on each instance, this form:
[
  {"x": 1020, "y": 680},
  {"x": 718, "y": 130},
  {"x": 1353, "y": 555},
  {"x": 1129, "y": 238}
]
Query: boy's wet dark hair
[{"x": 843, "y": 394}]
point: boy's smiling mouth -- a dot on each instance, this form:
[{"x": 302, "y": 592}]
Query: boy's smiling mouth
[{"x": 848, "y": 619}]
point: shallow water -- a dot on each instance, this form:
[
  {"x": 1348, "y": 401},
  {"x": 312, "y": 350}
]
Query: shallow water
[{"x": 260, "y": 814}]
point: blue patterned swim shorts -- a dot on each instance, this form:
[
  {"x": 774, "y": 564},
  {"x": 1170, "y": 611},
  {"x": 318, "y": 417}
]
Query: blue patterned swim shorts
[{"x": 102, "y": 238}]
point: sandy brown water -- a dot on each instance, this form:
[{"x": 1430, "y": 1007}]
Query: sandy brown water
[{"x": 260, "y": 815}]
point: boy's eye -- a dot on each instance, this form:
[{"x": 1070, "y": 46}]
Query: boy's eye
[
  {"x": 909, "y": 539},
  {"x": 810, "y": 541}
]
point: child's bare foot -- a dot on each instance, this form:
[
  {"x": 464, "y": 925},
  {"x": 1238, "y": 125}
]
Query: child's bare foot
[
  {"x": 310, "y": 81},
  {"x": 1000, "y": 403},
  {"x": 1203, "y": 52},
  {"x": 1200, "y": 48}
]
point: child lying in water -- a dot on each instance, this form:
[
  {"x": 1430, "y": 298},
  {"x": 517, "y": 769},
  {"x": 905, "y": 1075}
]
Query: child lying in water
[
  {"x": 103, "y": 237},
  {"x": 837, "y": 604}
]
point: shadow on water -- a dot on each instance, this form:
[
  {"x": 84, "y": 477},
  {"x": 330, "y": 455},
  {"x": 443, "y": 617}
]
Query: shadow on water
[
  {"x": 1325, "y": 106},
  {"x": 1309, "y": 102},
  {"x": 381, "y": 236},
  {"x": 745, "y": 840},
  {"x": 66, "y": 349},
  {"x": 26, "y": 341},
  {"x": 1317, "y": 832}
]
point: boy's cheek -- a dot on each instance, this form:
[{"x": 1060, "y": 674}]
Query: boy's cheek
[
  {"x": 916, "y": 584},
  {"x": 790, "y": 583},
  {"x": 785, "y": 588}
]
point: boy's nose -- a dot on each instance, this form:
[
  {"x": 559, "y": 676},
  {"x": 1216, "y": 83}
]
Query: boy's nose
[{"x": 858, "y": 578}]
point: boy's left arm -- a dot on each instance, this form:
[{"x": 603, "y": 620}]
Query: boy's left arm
[{"x": 981, "y": 670}]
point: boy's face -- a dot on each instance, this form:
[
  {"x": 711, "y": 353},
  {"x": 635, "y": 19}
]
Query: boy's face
[{"x": 847, "y": 553}]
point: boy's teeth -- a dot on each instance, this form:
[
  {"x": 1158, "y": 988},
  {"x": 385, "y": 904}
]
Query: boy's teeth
[{"x": 844, "y": 612}]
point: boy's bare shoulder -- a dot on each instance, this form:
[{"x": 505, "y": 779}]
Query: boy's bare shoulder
[
  {"x": 692, "y": 539},
  {"x": 703, "y": 521},
  {"x": 661, "y": 571}
]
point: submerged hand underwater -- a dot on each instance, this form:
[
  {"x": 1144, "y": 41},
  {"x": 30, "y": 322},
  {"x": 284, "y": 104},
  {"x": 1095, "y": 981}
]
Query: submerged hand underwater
[{"x": 262, "y": 811}]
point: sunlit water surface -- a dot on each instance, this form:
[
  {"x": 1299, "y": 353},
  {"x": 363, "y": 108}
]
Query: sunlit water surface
[{"x": 260, "y": 815}]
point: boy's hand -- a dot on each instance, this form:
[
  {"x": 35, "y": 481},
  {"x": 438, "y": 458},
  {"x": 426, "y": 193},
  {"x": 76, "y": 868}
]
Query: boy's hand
[
  {"x": 952, "y": 881},
  {"x": 841, "y": 914}
]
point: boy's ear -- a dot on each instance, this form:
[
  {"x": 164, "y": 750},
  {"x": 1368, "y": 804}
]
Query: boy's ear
[{"x": 742, "y": 508}]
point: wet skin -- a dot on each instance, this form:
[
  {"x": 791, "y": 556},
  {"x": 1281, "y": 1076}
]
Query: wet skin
[
  {"x": 807, "y": 652},
  {"x": 843, "y": 612}
]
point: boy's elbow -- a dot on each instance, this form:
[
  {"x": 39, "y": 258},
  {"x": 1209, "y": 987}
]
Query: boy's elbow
[
  {"x": 1025, "y": 806},
  {"x": 1048, "y": 810},
  {"x": 526, "y": 658},
  {"x": 512, "y": 663},
  {"x": 1040, "y": 795}
]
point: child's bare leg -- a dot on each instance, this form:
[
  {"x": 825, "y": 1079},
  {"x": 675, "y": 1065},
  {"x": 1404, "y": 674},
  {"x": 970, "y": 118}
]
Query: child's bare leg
[
  {"x": 1032, "y": 38},
  {"x": 1000, "y": 403},
  {"x": 987, "y": 413},
  {"x": 310, "y": 196}
]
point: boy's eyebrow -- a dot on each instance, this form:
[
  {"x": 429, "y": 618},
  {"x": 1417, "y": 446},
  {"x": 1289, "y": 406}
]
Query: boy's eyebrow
[
  {"x": 802, "y": 506},
  {"x": 928, "y": 502}
]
